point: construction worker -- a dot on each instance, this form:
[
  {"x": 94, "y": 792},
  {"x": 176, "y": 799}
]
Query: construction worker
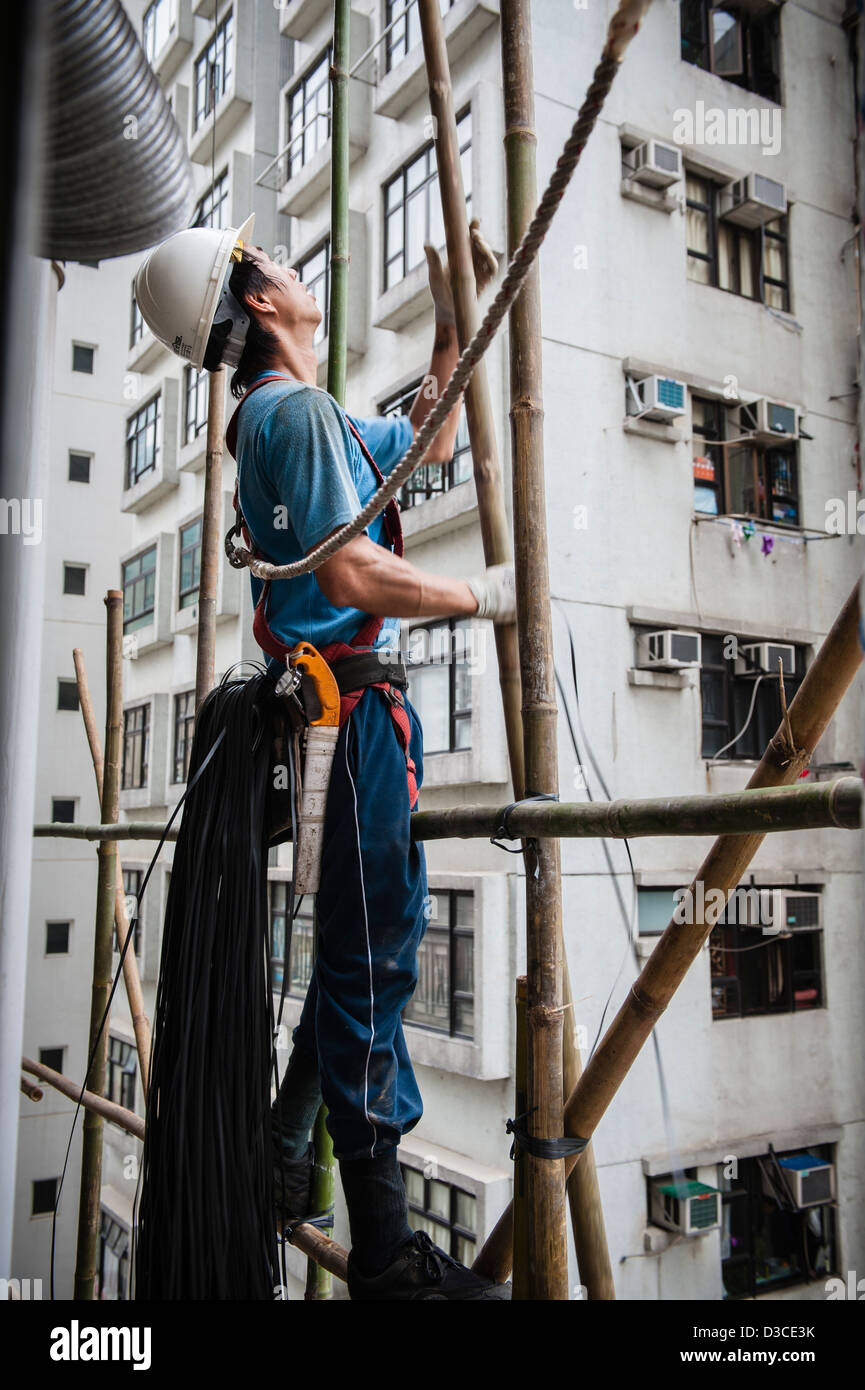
[{"x": 305, "y": 468}]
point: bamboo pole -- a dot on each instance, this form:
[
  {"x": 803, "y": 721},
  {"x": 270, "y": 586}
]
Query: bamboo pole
[
  {"x": 131, "y": 977},
  {"x": 805, "y": 806},
  {"x": 495, "y": 528},
  {"x": 547, "y": 1274},
  {"x": 211, "y": 528},
  {"x": 788, "y": 753},
  {"x": 31, "y": 1090},
  {"x": 521, "y": 1212},
  {"x": 97, "y": 1044},
  {"x": 107, "y": 1109}
]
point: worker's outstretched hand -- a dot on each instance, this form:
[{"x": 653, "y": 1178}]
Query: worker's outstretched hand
[
  {"x": 495, "y": 591},
  {"x": 485, "y": 264}
]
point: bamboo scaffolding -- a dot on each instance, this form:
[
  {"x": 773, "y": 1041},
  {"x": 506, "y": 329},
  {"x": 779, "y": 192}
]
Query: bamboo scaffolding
[
  {"x": 788, "y": 753},
  {"x": 547, "y": 1249},
  {"x": 98, "y": 1105},
  {"x": 131, "y": 977},
  {"x": 97, "y": 1044},
  {"x": 31, "y": 1090},
  {"x": 211, "y": 538},
  {"x": 495, "y": 528},
  {"x": 521, "y": 1211},
  {"x": 806, "y": 806}
]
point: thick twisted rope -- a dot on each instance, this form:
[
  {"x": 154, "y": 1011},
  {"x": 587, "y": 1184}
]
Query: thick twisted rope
[{"x": 623, "y": 26}]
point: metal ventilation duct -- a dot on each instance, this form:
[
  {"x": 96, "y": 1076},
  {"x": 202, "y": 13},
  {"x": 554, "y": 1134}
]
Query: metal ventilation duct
[{"x": 117, "y": 176}]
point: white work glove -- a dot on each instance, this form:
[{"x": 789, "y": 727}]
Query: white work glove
[
  {"x": 485, "y": 264},
  {"x": 495, "y": 591}
]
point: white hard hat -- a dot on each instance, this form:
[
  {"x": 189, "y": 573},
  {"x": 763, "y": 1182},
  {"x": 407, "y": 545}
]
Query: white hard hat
[{"x": 182, "y": 292}]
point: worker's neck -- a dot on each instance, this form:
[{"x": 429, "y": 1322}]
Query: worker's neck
[{"x": 297, "y": 359}]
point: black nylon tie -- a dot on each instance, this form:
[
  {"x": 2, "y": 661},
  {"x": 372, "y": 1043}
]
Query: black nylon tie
[
  {"x": 505, "y": 831},
  {"x": 542, "y": 1148}
]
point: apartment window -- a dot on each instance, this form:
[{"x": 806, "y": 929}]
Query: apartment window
[
  {"x": 412, "y": 206},
  {"x": 132, "y": 880},
  {"x": 52, "y": 1057},
  {"x": 44, "y": 1196},
  {"x": 308, "y": 112},
  {"x": 748, "y": 261},
  {"x": 74, "y": 578},
  {"x": 190, "y": 564},
  {"x": 440, "y": 683},
  {"x": 726, "y": 702},
  {"x": 211, "y": 209},
  {"x": 735, "y": 42},
  {"x": 196, "y": 393},
  {"x": 756, "y": 971},
  {"x": 136, "y": 323},
  {"x": 136, "y": 746},
  {"x": 767, "y": 1243},
  {"x": 113, "y": 1259},
  {"x": 82, "y": 358},
  {"x": 655, "y": 907},
  {"x": 67, "y": 694},
  {"x": 445, "y": 995},
  {"x": 122, "y": 1063},
  {"x": 738, "y": 477},
  {"x": 446, "y": 1212},
  {"x": 302, "y": 950},
  {"x": 79, "y": 468},
  {"x": 157, "y": 26},
  {"x": 184, "y": 724},
  {"x": 430, "y": 479},
  {"x": 314, "y": 271},
  {"x": 142, "y": 444},
  {"x": 405, "y": 34},
  {"x": 57, "y": 938},
  {"x": 213, "y": 68},
  {"x": 139, "y": 590},
  {"x": 63, "y": 809}
]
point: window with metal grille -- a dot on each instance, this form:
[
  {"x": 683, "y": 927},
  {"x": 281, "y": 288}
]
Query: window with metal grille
[
  {"x": 726, "y": 702},
  {"x": 440, "y": 683},
  {"x": 139, "y": 590},
  {"x": 57, "y": 938},
  {"x": 156, "y": 26},
  {"x": 766, "y": 1243},
  {"x": 132, "y": 881},
  {"x": 735, "y": 42},
  {"x": 444, "y": 999},
  {"x": 79, "y": 468},
  {"x": 142, "y": 441},
  {"x": 213, "y": 68},
  {"x": 412, "y": 206},
  {"x": 308, "y": 114},
  {"x": 82, "y": 358},
  {"x": 211, "y": 210},
  {"x": 190, "y": 564},
  {"x": 302, "y": 949},
  {"x": 431, "y": 479},
  {"x": 44, "y": 1196},
  {"x": 184, "y": 724},
  {"x": 314, "y": 272},
  {"x": 136, "y": 746},
  {"x": 136, "y": 323},
  {"x": 196, "y": 392},
  {"x": 113, "y": 1259},
  {"x": 122, "y": 1064},
  {"x": 755, "y": 971},
  {"x": 446, "y": 1212},
  {"x": 74, "y": 579},
  {"x": 402, "y": 28},
  {"x": 748, "y": 261}
]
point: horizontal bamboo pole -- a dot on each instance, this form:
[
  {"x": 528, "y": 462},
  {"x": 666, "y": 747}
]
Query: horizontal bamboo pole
[
  {"x": 322, "y": 1250},
  {"x": 117, "y": 1114},
  {"x": 31, "y": 1090},
  {"x": 807, "y": 806}
]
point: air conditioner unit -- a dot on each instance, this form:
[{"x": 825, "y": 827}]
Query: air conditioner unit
[
  {"x": 656, "y": 398},
  {"x": 770, "y": 420},
  {"x": 753, "y": 200},
  {"x": 668, "y": 649},
  {"x": 656, "y": 164},
  {"x": 810, "y": 1181},
  {"x": 789, "y": 909},
  {"x": 761, "y": 658},
  {"x": 690, "y": 1208}
]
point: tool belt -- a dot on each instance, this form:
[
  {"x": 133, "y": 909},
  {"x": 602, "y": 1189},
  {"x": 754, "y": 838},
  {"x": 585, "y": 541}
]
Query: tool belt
[{"x": 354, "y": 672}]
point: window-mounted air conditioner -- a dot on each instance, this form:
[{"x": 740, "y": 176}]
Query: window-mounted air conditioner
[
  {"x": 770, "y": 420},
  {"x": 789, "y": 909},
  {"x": 809, "y": 1181},
  {"x": 753, "y": 200},
  {"x": 690, "y": 1208},
  {"x": 761, "y": 658},
  {"x": 656, "y": 164},
  {"x": 668, "y": 649},
  {"x": 656, "y": 398}
]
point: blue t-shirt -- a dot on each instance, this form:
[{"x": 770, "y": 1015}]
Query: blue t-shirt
[{"x": 301, "y": 473}]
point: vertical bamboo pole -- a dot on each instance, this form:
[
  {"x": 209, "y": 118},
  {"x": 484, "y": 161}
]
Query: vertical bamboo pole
[
  {"x": 211, "y": 528},
  {"x": 131, "y": 978},
  {"x": 97, "y": 1045},
  {"x": 319, "y": 1281},
  {"x": 547, "y": 1275},
  {"x": 521, "y": 1230},
  {"x": 495, "y": 529}
]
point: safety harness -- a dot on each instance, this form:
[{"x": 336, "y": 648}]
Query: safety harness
[{"x": 356, "y": 665}]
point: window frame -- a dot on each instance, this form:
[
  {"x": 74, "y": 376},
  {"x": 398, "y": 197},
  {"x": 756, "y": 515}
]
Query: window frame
[
  {"x": 211, "y": 210},
  {"x": 42, "y": 1185},
  {"x": 78, "y": 455},
  {"x": 111, "y": 1243},
  {"x": 187, "y": 596},
  {"x": 63, "y": 801},
  {"x": 765, "y": 468},
  {"x": 455, "y": 932},
  {"x": 303, "y": 932},
  {"x": 196, "y": 399},
  {"x": 121, "y": 1072},
  {"x": 184, "y": 724},
  {"x": 407, "y": 12},
  {"x": 753, "y": 31},
  {"x": 732, "y": 943},
  {"x": 460, "y": 461},
  {"x": 68, "y": 683},
  {"x": 84, "y": 347},
  {"x": 324, "y": 276},
  {"x": 753, "y": 238},
  {"x": 426, "y": 1212},
  {"x": 427, "y": 182},
  {"x": 764, "y": 721},
  {"x": 135, "y": 763},
  {"x": 149, "y": 31},
  {"x": 456, "y": 716},
  {"x": 49, "y": 951},
  {"x": 219, "y": 45},
  {"x": 143, "y": 616},
  {"x": 308, "y": 128},
  {"x": 138, "y": 424},
  {"x": 135, "y": 876},
  {"x": 70, "y": 568}
]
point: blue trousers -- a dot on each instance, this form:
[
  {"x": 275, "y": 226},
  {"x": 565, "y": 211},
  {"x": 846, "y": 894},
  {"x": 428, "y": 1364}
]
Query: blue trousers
[{"x": 370, "y": 919}]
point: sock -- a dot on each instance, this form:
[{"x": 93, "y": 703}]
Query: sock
[
  {"x": 377, "y": 1210},
  {"x": 295, "y": 1108}
]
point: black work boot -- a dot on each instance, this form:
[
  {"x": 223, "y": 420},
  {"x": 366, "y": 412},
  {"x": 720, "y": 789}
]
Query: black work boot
[
  {"x": 292, "y": 1185},
  {"x": 422, "y": 1270}
]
